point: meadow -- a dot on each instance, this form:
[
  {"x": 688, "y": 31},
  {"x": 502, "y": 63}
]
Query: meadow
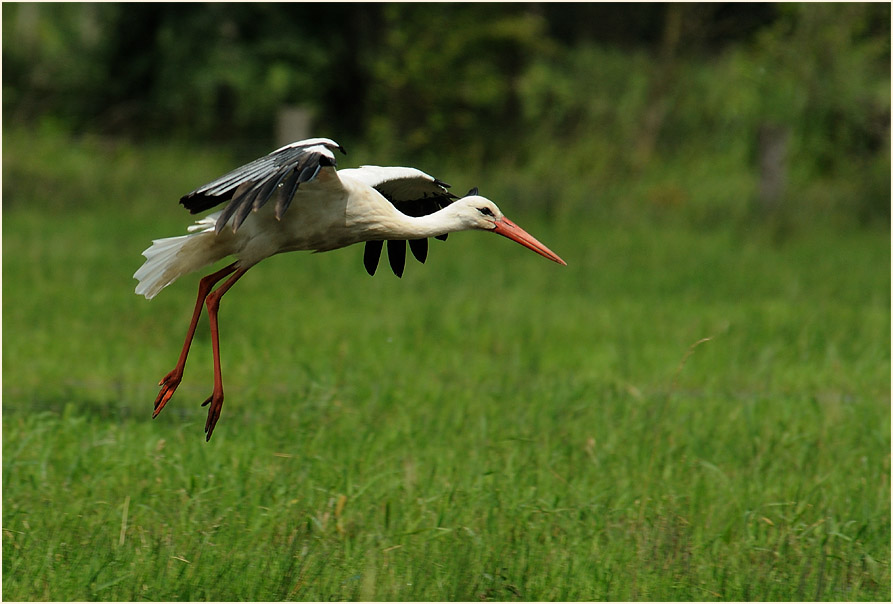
[{"x": 682, "y": 413}]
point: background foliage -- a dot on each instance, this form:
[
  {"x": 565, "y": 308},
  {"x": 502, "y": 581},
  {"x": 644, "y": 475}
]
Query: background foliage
[{"x": 585, "y": 97}]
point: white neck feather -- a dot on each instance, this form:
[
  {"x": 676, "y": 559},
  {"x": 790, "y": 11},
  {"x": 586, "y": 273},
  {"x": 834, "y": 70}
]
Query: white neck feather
[{"x": 401, "y": 226}]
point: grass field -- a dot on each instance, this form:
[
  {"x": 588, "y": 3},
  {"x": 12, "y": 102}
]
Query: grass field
[{"x": 490, "y": 427}]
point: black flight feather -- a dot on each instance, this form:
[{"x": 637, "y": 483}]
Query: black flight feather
[
  {"x": 230, "y": 209},
  {"x": 265, "y": 192},
  {"x": 286, "y": 192},
  {"x": 251, "y": 186},
  {"x": 371, "y": 255},
  {"x": 419, "y": 249},
  {"x": 397, "y": 255},
  {"x": 242, "y": 212}
]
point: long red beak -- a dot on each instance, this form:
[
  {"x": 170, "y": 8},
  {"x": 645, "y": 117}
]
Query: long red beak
[{"x": 507, "y": 228}]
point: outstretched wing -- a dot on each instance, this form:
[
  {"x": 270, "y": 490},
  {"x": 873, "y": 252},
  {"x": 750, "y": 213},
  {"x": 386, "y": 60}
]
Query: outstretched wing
[
  {"x": 278, "y": 174},
  {"x": 412, "y": 192}
]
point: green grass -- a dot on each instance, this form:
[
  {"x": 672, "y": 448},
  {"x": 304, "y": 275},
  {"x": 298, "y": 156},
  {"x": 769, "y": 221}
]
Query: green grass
[{"x": 492, "y": 426}]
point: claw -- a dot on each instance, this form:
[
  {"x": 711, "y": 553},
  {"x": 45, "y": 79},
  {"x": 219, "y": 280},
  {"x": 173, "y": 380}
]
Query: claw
[
  {"x": 169, "y": 384},
  {"x": 213, "y": 412}
]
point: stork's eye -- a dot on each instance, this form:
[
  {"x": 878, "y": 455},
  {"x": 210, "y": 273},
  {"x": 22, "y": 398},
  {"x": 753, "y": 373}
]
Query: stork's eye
[{"x": 485, "y": 211}]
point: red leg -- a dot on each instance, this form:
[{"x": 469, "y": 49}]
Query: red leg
[
  {"x": 170, "y": 382},
  {"x": 216, "y": 399}
]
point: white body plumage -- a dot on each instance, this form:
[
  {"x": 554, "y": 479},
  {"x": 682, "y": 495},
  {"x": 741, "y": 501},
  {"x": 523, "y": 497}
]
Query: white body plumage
[{"x": 294, "y": 199}]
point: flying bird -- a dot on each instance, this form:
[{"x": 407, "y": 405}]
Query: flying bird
[{"x": 294, "y": 199}]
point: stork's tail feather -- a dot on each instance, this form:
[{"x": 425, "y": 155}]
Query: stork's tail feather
[{"x": 171, "y": 258}]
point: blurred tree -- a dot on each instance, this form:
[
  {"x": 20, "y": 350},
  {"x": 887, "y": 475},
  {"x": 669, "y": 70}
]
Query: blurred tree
[
  {"x": 824, "y": 73},
  {"x": 53, "y": 60},
  {"x": 198, "y": 70},
  {"x": 447, "y": 74},
  {"x": 610, "y": 88},
  {"x": 643, "y": 25}
]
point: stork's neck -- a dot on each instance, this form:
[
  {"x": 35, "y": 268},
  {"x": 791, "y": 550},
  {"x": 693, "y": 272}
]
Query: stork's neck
[{"x": 400, "y": 226}]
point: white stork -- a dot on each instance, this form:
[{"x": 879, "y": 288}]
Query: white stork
[{"x": 314, "y": 207}]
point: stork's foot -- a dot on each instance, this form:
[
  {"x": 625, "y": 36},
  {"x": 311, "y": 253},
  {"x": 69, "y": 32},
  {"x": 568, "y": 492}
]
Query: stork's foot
[
  {"x": 168, "y": 385},
  {"x": 216, "y": 402}
]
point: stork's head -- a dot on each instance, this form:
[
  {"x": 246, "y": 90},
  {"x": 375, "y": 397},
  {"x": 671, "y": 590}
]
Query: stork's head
[{"x": 480, "y": 213}]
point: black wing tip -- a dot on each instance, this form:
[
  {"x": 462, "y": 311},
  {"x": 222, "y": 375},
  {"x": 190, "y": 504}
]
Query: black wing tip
[
  {"x": 419, "y": 249},
  {"x": 371, "y": 255},
  {"x": 397, "y": 255},
  {"x": 198, "y": 202}
]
